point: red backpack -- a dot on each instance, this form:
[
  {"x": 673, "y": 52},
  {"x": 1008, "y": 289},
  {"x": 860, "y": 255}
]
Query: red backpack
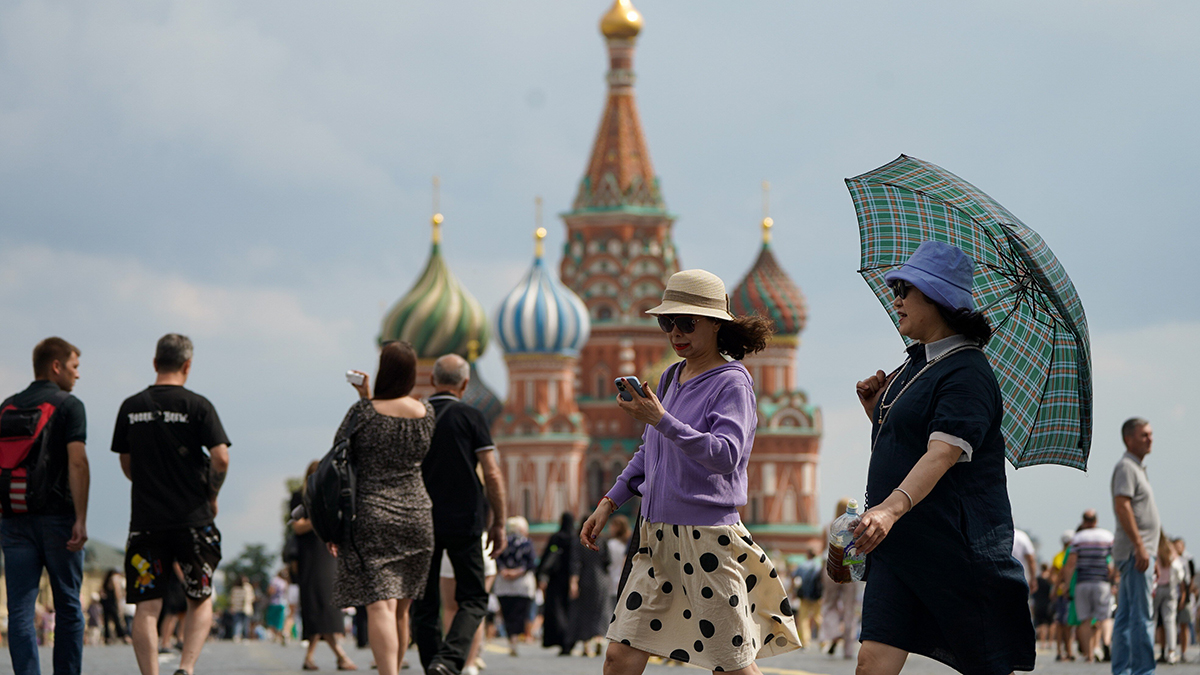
[{"x": 25, "y": 455}]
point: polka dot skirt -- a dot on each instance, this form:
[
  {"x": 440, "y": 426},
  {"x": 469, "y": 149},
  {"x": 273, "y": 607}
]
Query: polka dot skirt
[{"x": 707, "y": 596}]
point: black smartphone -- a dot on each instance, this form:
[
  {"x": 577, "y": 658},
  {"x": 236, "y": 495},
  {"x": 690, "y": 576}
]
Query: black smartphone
[{"x": 624, "y": 389}]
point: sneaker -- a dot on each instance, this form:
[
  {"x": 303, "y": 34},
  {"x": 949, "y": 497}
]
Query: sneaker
[
  {"x": 478, "y": 663},
  {"x": 470, "y": 670}
]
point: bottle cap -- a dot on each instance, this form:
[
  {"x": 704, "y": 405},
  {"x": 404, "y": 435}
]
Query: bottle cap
[{"x": 852, "y": 506}]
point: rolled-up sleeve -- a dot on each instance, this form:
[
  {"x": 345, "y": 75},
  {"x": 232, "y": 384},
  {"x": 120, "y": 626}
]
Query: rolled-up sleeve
[
  {"x": 731, "y": 422},
  {"x": 964, "y": 406}
]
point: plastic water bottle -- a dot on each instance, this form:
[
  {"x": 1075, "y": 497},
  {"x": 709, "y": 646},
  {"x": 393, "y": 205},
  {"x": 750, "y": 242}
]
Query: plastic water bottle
[{"x": 843, "y": 562}]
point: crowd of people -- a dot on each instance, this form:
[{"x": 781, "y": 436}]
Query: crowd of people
[{"x": 433, "y": 553}]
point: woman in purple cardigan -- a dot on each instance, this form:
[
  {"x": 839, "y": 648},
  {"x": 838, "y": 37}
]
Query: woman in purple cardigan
[{"x": 700, "y": 590}]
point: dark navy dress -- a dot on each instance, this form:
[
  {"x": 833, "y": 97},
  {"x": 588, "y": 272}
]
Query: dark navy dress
[{"x": 944, "y": 583}]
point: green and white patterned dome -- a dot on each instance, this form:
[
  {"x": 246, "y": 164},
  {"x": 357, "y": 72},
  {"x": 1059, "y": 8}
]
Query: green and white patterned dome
[{"x": 438, "y": 316}]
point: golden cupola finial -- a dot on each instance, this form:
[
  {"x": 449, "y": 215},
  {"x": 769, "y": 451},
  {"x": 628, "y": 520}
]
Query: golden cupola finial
[
  {"x": 437, "y": 217},
  {"x": 621, "y": 21},
  {"x": 539, "y": 235},
  {"x": 767, "y": 221}
]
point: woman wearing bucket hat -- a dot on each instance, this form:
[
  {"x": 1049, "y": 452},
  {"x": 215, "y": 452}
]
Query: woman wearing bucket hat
[
  {"x": 941, "y": 578},
  {"x": 699, "y": 589}
]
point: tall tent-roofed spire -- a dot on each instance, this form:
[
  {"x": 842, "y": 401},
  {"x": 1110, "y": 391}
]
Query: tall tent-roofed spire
[
  {"x": 619, "y": 174},
  {"x": 438, "y": 316},
  {"x": 767, "y": 289}
]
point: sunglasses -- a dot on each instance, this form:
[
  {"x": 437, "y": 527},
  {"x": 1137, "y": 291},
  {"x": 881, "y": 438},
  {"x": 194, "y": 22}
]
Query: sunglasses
[
  {"x": 900, "y": 288},
  {"x": 685, "y": 323}
]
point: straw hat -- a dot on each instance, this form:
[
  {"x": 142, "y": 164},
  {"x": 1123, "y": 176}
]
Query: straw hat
[{"x": 695, "y": 292}]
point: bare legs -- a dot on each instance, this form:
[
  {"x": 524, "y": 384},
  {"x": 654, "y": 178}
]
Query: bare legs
[
  {"x": 196, "y": 628},
  {"x": 387, "y": 624},
  {"x": 621, "y": 659},
  {"x": 145, "y": 636},
  {"x": 343, "y": 660}
]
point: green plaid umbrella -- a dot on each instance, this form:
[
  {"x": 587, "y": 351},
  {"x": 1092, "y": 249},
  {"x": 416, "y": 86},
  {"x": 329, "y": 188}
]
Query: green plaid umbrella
[{"x": 1040, "y": 349}]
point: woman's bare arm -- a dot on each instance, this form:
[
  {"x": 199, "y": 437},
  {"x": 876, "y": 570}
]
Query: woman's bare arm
[{"x": 878, "y": 521}]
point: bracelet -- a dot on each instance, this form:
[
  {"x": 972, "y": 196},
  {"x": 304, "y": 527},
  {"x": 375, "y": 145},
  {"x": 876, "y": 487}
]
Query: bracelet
[
  {"x": 614, "y": 508},
  {"x": 910, "y": 499}
]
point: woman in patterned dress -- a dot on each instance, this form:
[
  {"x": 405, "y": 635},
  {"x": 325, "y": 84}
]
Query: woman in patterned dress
[
  {"x": 387, "y": 565},
  {"x": 699, "y": 589}
]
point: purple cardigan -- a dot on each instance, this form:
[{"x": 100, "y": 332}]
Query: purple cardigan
[{"x": 691, "y": 467}]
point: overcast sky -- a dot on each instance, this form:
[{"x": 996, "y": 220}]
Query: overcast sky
[{"x": 257, "y": 175}]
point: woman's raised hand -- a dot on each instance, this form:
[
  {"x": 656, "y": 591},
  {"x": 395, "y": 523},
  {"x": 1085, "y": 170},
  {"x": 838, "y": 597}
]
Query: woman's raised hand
[
  {"x": 364, "y": 389},
  {"x": 870, "y": 389},
  {"x": 595, "y": 523},
  {"x": 646, "y": 408}
]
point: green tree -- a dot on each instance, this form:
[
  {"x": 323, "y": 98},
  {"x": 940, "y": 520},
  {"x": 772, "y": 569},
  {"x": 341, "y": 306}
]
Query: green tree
[{"x": 255, "y": 562}]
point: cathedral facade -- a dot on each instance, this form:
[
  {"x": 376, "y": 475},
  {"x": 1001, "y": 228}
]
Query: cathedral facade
[{"x": 562, "y": 440}]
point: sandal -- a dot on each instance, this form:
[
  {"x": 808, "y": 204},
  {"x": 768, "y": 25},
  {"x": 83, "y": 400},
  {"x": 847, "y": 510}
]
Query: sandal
[
  {"x": 346, "y": 665},
  {"x": 309, "y": 665}
]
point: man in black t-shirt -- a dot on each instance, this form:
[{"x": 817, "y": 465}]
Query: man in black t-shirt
[
  {"x": 161, "y": 434},
  {"x": 51, "y": 536},
  {"x": 461, "y": 443}
]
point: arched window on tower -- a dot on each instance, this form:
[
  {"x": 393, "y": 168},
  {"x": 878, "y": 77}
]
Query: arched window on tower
[
  {"x": 527, "y": 504},
  {"x": 603, "y": 385},
  {"x": 604, "y": 313}
]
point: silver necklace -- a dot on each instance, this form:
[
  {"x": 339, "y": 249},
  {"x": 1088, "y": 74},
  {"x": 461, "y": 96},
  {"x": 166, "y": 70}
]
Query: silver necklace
[{"x": 886, "y": 409}]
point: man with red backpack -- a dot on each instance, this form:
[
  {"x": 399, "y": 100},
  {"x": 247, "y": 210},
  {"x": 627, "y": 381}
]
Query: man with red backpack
[{"x": 44, "y": 482}]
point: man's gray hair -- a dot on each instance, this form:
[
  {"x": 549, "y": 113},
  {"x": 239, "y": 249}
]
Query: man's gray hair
[
  {"x": 172, "y": 352},
  {"x": 1131, "y": 426},
  {"x": 450, "y": 370}
]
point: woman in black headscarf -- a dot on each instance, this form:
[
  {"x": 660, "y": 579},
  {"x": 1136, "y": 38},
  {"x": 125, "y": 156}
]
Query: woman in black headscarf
[{"x": 554, "y": 578}]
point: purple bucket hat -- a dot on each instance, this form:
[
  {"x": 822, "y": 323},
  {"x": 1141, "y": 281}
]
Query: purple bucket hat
[{"x": 942, "y": 272}]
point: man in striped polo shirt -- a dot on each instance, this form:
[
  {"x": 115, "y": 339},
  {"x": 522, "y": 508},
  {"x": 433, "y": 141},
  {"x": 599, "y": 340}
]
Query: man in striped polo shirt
[{"x": 1091, "y": 561}]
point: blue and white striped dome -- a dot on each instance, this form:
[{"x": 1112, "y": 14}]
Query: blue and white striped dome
[{"x": 541, "y": 315}]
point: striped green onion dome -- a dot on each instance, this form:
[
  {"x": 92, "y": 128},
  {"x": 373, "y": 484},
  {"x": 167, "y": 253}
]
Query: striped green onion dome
[
  {"x": 767, "y": 290},
  {"x": 438, "y": 316}
]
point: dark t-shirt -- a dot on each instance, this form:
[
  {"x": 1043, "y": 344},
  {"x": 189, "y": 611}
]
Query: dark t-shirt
[
  {"x": 459, "y": 506},
  {"x": 170, "y": 486},
  {"x": 68, "y": 425}
]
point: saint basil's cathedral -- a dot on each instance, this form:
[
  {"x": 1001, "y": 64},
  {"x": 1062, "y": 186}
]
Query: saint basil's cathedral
[{"x": 561, "y": 439}]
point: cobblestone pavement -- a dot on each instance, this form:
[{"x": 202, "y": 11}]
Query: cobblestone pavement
[{"x": 260, "y": 658}]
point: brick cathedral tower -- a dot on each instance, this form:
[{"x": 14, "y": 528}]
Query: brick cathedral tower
[
  {"x": 617, "y": 257},
  {"x": 541, "y": 436},
  {"x": 781, "y": 511}
]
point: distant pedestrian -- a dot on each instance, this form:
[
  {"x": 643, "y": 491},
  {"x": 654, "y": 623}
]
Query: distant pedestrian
[
  {"x": 554, "y": 580},
  {"x": 464, "y": 508},
  {"x": 241, "y": 603},
  {"x": 699, "y": 590},
  {"x": 1090, "y": 561},
  {"x": 47, "y": 536},
  {"x": 1167, "y": 596},
  {"x": 386, "y": 565},
  {"x": 1137, "y": 534},
  {"x": 1187, "y": 601},
  {"x": 936, "y": 483},
  {"x": 809, "y": 579},
  {"x": 515, "y": 585},
  {"x": 316, "y": 571},
  {"x": 619, "y": 535},
  {"x": 591, "y": 602},
  {"x": 161, "y": 434},
  {"x": 277, "y": 606},
  {"x": 112, "y": 600},
  {"x": 1024, "y": 551}
]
